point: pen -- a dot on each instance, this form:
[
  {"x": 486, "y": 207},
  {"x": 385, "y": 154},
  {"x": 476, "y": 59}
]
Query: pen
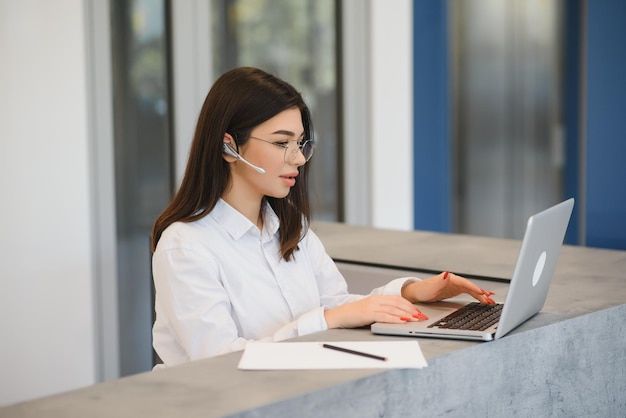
[{"x": 358, "y": 353}]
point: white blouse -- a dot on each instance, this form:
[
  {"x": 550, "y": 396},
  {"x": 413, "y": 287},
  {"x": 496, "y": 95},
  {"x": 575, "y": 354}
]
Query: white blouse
[{"x": 221, "y": 282}]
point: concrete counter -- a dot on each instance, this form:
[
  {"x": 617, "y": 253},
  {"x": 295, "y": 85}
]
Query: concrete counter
[{"x": 569, "y": 360}]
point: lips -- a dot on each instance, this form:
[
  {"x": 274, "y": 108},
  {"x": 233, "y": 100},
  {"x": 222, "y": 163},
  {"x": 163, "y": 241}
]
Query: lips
[{"x": 290, "y": 178}]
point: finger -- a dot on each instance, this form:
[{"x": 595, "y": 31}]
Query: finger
[
  {"x": 486, "y": 294},
  {"x": 479, "y": 295},
  {"x": 407, "y": 313},
  {"x": 468, "y": 286},
  {"x": 485, "y": 299},
  {"x": 420, "y": 316},
  {"x": 392, "y": 319},
  {"x": 397, "y": 305},
  {"x": 415, "y": 317}
]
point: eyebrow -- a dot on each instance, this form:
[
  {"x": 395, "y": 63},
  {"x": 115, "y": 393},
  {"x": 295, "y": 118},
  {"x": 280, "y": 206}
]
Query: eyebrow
[{"x": 285, "y": 132}]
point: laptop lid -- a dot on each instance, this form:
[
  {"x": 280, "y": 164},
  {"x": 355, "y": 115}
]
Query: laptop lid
[
  {"x": 528, "y": 288},
  {"x": 535, "y": 266}
]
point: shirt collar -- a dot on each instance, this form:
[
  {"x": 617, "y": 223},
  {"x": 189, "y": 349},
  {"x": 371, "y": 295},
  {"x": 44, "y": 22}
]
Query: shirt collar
[
  {"x": 238, "y": 225},
  {"x": 271, "y": 223}
]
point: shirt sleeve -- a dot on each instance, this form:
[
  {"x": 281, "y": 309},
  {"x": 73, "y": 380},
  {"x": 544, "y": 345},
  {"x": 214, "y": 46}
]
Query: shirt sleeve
[
  {"x": 394, "y": 287},
  {"x": 308, "y": 323}
]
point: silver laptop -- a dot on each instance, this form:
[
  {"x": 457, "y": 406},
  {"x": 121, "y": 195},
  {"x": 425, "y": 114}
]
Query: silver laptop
[{"x": 527, "y": 293}]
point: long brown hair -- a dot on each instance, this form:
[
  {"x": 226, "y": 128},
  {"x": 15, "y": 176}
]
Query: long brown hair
[{"x": 240, "y": 100}]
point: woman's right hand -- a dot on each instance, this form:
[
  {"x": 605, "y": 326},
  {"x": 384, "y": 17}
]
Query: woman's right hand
[{"x": 374, "y": 308}]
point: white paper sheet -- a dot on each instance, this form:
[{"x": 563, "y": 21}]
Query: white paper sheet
[{"x": 312, "y": 355}]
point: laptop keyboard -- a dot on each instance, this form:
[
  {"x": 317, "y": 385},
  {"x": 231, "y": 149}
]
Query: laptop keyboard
[{"x": 473, "y": 316}]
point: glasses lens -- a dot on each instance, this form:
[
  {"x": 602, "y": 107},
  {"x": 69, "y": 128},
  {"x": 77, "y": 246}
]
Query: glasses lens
[
  {"x": 291, "y": 153},
  {"x": 307, "y": 149}
]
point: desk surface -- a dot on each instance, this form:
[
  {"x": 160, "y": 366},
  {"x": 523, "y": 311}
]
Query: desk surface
[{"x": 586, "y": 281}]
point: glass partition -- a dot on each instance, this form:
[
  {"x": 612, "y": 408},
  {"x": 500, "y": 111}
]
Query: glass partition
[
  {"x": 506, "y": 60},
  {"x": 142, "y": 164}
]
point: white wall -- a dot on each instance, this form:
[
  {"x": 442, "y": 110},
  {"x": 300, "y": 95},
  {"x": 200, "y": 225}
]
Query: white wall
[
  {"x": 391, "y": 104},
  {"x": 47, "y": 330},
  {"x": 192, "y": 74},
  {"x": 378, "y": 113}
]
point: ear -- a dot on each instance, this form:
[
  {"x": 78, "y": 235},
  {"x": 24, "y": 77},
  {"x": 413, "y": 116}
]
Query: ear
[
  {"x": 229, "y": 152},
  {"x": 228, "y": 138}
]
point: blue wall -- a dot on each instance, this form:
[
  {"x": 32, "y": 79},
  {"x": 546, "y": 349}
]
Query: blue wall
[
  {"x": 431, "y": 155},
  {"x": 572, "y": 110},
  {"x": 605, "y": 170}
]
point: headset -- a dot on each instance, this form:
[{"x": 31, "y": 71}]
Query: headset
[{"x": 230, "y": 151}]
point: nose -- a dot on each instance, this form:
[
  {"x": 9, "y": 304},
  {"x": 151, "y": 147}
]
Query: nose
[
  {"x": 294, "y": 155},
  {"x": 299, "y": 159}
]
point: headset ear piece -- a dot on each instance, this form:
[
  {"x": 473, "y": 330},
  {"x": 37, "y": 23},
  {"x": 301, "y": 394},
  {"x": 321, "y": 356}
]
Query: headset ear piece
[{"x": 229, "y": 150}]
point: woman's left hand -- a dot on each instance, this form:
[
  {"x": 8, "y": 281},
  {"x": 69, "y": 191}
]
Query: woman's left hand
[{"x": 444, "y": 286}]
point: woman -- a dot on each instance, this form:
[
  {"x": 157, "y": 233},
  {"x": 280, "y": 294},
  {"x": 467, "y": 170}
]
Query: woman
[{"x": 234, "y": 259}]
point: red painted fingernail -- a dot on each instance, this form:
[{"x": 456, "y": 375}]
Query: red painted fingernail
[
  {"x": 445, "y": 275},
  {"x": 404, "y": 318},
  {"x": 420, "y": 315}
]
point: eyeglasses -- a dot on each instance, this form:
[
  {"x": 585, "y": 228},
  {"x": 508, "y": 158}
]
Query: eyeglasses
[{"x": 292, "y": 147}]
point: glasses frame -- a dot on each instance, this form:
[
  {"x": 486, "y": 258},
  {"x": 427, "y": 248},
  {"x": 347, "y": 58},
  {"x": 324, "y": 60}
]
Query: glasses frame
[{"x": 291, "y": 157}]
